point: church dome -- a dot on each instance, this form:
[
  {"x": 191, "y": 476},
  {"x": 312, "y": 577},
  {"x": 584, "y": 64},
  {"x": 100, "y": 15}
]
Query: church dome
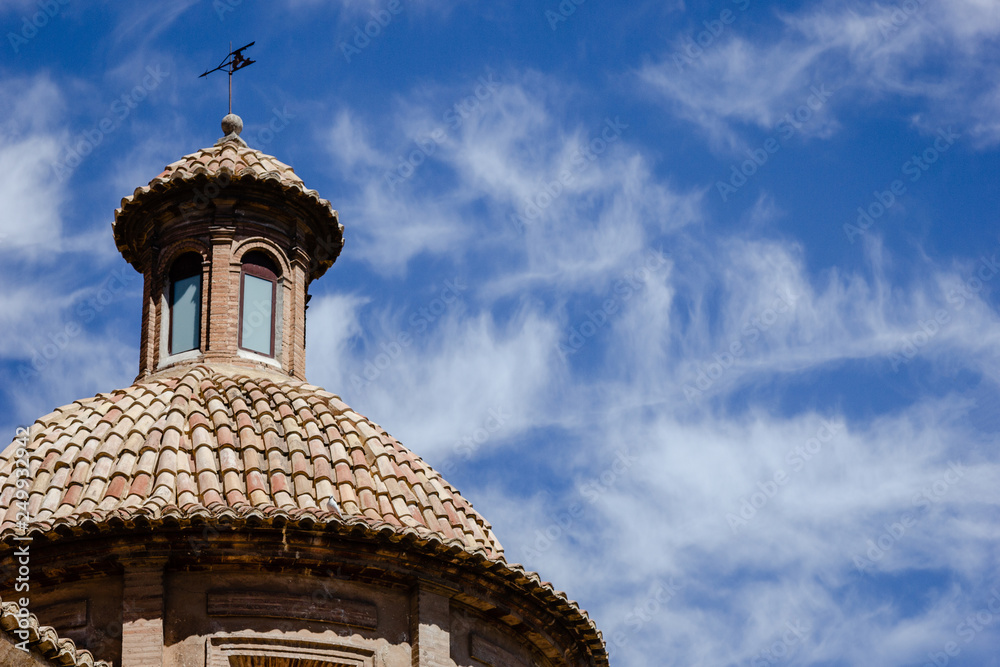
[
  {"x": 221, "y": 510},
  {"x": 210, "y": 443}
]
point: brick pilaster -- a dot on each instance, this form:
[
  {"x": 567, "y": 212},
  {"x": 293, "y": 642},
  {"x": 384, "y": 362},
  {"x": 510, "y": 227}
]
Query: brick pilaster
[
  {"x": 296, "y": 318},
  {"x": 148, "y": 329},
  {"x": 222, "y": 296},
  {"x": 430, "y": 621},
  {"x": 142, "y": 616}
]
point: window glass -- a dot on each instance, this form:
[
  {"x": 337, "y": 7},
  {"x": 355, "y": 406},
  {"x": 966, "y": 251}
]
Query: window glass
[
  {"x": 185, "y": 304},
  {"x": 258, "y": 311}
]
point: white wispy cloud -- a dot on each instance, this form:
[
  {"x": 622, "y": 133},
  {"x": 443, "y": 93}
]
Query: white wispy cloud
[
  {"x": 437, "y": 369},
  {"x": 647, "y": 535},
  {"x": 30, "y": 142},
  {"x": 864, "y": 52},
  {"x": 507, "y": 161}
]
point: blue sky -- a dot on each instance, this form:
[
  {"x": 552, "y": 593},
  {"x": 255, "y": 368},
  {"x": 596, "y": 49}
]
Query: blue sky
[{"x": 698, "y": 300}]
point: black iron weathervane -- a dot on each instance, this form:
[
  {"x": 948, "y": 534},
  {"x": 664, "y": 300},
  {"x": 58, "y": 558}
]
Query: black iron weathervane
[{"x": 234, "y": 61}]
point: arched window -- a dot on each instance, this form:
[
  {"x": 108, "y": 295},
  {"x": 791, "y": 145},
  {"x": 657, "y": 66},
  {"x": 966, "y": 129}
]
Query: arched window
[
  {"x": 185, "y": 303},
  {"x": 258, "y": 289}
]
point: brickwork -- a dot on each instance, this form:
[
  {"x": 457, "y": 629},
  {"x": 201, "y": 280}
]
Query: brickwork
[
  {"x": 225, "y": 236},
  {"x": 142, "y": 616},
  {"x": 430, "y": 616},
  {"x": 147, "y": 327},
  {"x": 297, "y": 334},
  {"x": 222, "y": 299}
]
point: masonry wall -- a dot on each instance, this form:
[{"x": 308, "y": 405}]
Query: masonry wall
[{"x": 154, "y": 615}]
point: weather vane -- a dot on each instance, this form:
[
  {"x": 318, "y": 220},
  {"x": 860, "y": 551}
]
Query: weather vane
[{"x": 234, "y": 61}]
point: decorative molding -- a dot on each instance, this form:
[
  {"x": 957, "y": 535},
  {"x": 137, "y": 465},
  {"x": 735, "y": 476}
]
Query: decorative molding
[
  {"x": 251, "y": 649},
  {"x": 260, "y": 358},
  {"x": 294, "y": 607}
]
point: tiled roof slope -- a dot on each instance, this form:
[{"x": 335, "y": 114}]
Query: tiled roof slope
[
  {"x": 43, "y": 640},
  {"x": 229, "y": 161},
  {"x": 211, "y": 440},
  {"x": 233, "y": 156},
  {"x": 234, "y": 159}
]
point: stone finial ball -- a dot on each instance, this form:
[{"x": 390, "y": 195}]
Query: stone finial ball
[{"x": 232, "y": 124}]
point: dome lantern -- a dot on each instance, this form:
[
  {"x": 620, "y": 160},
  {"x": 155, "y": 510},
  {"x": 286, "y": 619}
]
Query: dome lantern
[{"x": 228, "y": 240}]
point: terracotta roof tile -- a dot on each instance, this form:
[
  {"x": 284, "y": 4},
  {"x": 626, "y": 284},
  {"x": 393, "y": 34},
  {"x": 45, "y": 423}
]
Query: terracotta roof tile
[
  {"x": 251, "y": 460},
  {"x": 117, "y": 487},
  {"x": 216, "y": 440},
  {"x": 325, "y": 489},
  {"x": 229, "y": 460},
  {"x": 187, "y": 487},
  {"x": 72, "y": 495},
  {"x": 138, "y": 488}
]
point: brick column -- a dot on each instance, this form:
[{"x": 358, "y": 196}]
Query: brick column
[
  {"x": 142, "y": 616},
  {"x": 222, "y": 296},
  {"x": 295, "y": 318},
  {"x": 430, "y": 622},
  {"x": 150, "y": 328}
]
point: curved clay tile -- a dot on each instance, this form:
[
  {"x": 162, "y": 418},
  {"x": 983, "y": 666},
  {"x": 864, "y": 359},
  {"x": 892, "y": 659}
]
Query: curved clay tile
[{"x": 220, "y": 441}]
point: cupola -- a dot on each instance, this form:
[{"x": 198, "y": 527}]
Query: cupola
[{"x": 227, "y": 240}]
